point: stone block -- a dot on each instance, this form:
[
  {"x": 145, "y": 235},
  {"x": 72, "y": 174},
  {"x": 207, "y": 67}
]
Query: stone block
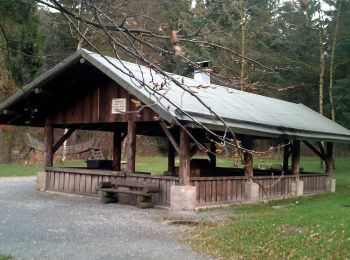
[
  {"x": 41, "y": 181},
  {"x": 251, "y": 191},
  {"x": 330, "y": 185},
  {"x": 297, "y": 188},
  {"x": 183, "y": 198}
]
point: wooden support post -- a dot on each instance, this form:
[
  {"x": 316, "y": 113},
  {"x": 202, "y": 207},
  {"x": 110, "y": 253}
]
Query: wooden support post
[
  {"x": 212, "y": 154},
  {"x": 117, "y": 150},
  {"x": 48, "y": 157},
  {"x": 247, "y": 143},
  {"x": 286, "y": 154},
  {"x": 171, "y": 158},
  {"x": 329, "y": 159},
  {"x": 184, "y": 167},
  {"x": 131, "y": 146},
  {"x": 296, "y": 159}
]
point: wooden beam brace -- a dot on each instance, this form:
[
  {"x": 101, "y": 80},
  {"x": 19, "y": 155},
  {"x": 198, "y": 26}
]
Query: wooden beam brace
[
  {"x": 314, "y": 149},
  {"x": 170, "y": 136},
  {"x": 320, "y": 146},
  {"x": 63, "y": 139}
]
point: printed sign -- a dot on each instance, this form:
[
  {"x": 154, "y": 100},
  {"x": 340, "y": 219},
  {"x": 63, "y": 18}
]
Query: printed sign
[{"x": 118, "y": 105}]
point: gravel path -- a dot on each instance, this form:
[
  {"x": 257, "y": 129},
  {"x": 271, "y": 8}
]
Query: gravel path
[{"x": 36, "y": 225}]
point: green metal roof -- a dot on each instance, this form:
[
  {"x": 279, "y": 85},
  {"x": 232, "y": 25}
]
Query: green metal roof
[{"x": 244, "y": 112}]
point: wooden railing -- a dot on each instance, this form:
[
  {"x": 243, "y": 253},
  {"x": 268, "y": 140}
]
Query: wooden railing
[
  {"x": 217, "y": 190},
  {"x": 78, "y": 180},
  {"x": 210, "y": 190},
  {"x": 314, "y": 183},
  {"x": 274, "y": 186}
]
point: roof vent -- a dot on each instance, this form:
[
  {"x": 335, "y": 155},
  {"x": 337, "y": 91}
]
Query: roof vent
[{"x": 202, "y": 73}]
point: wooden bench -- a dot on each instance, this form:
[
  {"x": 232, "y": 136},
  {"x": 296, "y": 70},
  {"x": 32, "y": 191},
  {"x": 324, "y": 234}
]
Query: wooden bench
[{"x": 142, "y": 190}]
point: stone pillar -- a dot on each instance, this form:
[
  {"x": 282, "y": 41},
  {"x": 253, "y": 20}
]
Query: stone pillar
[
  {"x": 183, "y": 198},
  {"x": 330, "y": 185},
  {"x": 297, "y": 188},
  {"x": 41, "y": 181},
  {"x": 251, "y": 191}
]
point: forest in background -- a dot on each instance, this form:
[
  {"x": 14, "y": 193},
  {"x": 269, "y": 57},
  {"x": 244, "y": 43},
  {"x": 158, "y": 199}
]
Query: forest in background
[{"x": 298, "y": 51}]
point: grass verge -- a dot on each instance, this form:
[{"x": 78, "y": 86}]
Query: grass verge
[{"x": 315, "y": 227}]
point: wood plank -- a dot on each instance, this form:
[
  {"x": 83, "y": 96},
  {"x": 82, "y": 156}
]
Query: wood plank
[
  {"x": 77, "y": 183},
  {"x": 88, "y": 184},
  {"x": 71, "y": 182},
  {"x": 82, "y": 183},
  {"x": 202, "y": 192},
  {"x": 213, "y": 193},
  {"x": 66, "y": 182},
  {"x": 52, "y": 181},
  {"x": 229, "y": 190},
  {"x": 208, "y": 196},
  {"x": 57, "y": 180},
  {"x": 224, "y": 190},
  {"x": 239, "y": 190},
  {"x": 219, "y": 191},
  {"x": 94, "y": 181},
  {"x": 61, "y": 181}
]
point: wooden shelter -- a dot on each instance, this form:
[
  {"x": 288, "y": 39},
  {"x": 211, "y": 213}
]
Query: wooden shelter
[{"x": 92, "y": 92}]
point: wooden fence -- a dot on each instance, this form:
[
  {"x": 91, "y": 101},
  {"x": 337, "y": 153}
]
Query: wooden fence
[
  {"x": 314, "y": 183},
  {"x": 210, "y": 190}
]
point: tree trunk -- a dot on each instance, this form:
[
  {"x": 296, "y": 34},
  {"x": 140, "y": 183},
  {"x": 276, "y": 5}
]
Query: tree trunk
[
  {"x": 242, "y": 43},
  {"x": 331, "y": 68}
]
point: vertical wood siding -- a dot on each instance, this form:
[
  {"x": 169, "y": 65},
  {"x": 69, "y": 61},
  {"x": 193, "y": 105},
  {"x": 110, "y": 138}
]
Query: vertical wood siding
[{"x": 210, "y": 190}]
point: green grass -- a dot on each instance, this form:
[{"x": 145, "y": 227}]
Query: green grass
[
  {"x": 5, "y": 257},
  {"x": 316, "y": 227}
]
